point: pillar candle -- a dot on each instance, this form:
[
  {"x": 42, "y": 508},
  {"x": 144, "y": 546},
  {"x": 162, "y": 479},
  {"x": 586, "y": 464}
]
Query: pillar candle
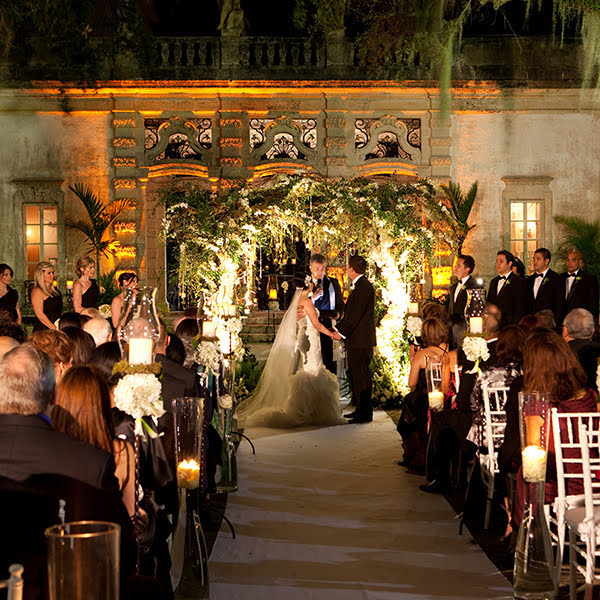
[
  {"x": 476, "y": 324},
  {"x": 534, "y": 463},
  {"x": 69, "y": 285},
  {"x": 140, "y": 351},
  {"x": 436, "y": 400},
  {"x": 208, "y": 329},
  {"x": 188, "y": 474},
  {"x": 413, "y": 307}
]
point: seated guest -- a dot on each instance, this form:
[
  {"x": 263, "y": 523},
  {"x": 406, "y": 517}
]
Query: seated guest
[
  {"x": 6, "y": 345},
  {"x": 70, "y": 319},
  {"x": 100, "y": 329},
  {"x": 85, "y": 289},
  {"x": 413, "y": 420},
  {"x": 545, "y": 318},
  {"x": 83, "y": 344},
  {"x": 90, "y": 313},
  {"x": 46, "y": 298},
  {"x": 577, "y": 331},
  {"x": 126, "y": 281},
  {"x": 176, "y": 349},
  {"x": 12, "y": 330},
  {"x": 548, "y": 366},
  {"x": 187, "y": 330},
  {"x": 41, "y": 464},
  {"x": 527, "y": 323},
  {"x": 172, "y": 368},
  {"x": 58, "y": 346},
  {"x": 83, "y": 412}
]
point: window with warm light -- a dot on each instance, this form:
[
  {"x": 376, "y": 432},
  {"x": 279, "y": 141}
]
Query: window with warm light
[
  {"x": 41, "y": 235},
  {"x": 526, "y": 233}
]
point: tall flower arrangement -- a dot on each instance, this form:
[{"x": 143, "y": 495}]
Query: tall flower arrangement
[{"x": 219, "y": 236}]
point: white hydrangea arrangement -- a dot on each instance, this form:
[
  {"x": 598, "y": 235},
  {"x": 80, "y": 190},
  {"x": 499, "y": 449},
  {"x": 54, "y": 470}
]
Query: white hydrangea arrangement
[
  {"x": 476, "y": 349},
  {"x": 139, "y": 395},
  {"x": 209, "y": 356},
  {"x": 225, "y": 402},
  {"x": 414, "y": 325}
]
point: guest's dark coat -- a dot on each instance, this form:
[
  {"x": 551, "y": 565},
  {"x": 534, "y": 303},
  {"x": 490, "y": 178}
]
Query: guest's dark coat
[
  {"x": 512, "y": 299},
  {"x": 550, "y": 296}
]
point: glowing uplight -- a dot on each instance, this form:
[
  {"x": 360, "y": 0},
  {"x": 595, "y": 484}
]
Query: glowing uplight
[{"x": 125, "y": 252}]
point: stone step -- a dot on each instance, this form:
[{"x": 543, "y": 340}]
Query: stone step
[{"x": 257, "y": 338}]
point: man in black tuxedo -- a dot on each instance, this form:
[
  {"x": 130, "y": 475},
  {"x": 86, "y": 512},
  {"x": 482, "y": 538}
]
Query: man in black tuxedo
[
  {"x": 357, "y": 328},
  {"x": 328, "y": 300},
  {"x": 463, "y": 268},
  {"x": 545, "y": 288},
  {"x": 508, "y": 291},
  {"x": 579, "y": 286}
]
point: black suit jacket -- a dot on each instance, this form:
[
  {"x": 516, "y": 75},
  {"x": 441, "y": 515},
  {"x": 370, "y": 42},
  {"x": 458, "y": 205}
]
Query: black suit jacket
[
  {"x": 180, "y": 372},
  {"x": 583, "y": 294},
  {"x": 551, "y": 294},
  {"x": 358, "y": 323},
  {"x": 458, "y": 307},
  {"x": 29, "y": 446},
  {"x": 512, "y": 299}
]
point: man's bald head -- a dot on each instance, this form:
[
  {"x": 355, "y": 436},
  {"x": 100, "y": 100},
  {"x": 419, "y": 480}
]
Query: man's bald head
[{"x": 7, "y": 344}]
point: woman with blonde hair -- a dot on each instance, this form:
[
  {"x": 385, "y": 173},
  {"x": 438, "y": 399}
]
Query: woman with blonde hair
[
  {"x": 85, "y": 290},
  {"x": 46, "y": 298},
  {"x": 83, "y": 411}
]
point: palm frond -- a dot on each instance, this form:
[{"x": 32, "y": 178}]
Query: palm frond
[
  {"x": 118, "y": 207},
  {"x": 86, "y": 227},
  {"x": 94, "y": 207}
]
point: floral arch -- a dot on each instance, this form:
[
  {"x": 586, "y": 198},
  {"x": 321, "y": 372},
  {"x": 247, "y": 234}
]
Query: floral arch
[{"x": 219, "y": 235}]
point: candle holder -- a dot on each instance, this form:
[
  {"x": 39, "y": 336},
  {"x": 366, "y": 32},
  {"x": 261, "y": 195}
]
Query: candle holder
[
  {"x": 139, "y": 327},
  {"x": 534, "y": 572},
  {"x": 433, "y": 370},
  {"x": 475, "y": 310},
  {"x": 190, "y": 553}
]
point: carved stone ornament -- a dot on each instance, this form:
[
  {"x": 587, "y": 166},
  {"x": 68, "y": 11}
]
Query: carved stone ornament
[
  {"x": 283, "y": 139},
  {"x": 177, "y": 140},
  {"x": 388, "y": 138}
]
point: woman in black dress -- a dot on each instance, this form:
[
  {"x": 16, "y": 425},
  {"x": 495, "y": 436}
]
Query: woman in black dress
[
  {"x": 85, "y": 289},
  {"x": 46, "y": 298},
  {"x": 9, "y": 298}
]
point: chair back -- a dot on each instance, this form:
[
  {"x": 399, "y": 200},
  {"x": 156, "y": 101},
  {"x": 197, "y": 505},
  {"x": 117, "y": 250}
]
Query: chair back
[
  {"x": 494, "y": 400},
  {"x": 590, "y": 457},
  {"x": 14, "y": 584}
]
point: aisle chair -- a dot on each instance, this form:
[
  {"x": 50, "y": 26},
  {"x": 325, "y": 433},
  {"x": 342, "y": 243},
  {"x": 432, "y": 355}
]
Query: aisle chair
[
  {"x": 14, "y": 584},
  {"x": 569, "y": 466},
  {"x": 494, "y": 424}
]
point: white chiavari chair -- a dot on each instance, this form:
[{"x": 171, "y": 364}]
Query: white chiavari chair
[{"x": 14, "y": 584}]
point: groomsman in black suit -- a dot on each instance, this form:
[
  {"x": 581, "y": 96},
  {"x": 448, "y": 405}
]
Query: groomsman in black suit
[
  {"x": 464, "y": 267},
  {"x": 580, "y": 286},
  {"x": 329, "y": 301},
  {"x": 508, "y": 291},
  {"x": 545, "y": 288},
  {"x": 357, "y": 328}
]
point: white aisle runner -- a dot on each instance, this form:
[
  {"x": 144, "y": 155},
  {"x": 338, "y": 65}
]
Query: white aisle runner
[{"x": 327, "y": 514}]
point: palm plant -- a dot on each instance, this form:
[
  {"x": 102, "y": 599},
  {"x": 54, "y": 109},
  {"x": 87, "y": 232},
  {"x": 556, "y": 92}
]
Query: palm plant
[
  {"x": 453, "y": 212},
  {"x": 583, "y": 235},
  {"x": 100, "y": 218}
]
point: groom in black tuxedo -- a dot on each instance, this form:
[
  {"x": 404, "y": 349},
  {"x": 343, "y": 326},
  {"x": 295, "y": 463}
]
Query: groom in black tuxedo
[
  {"x": 545, "y": 288},
  {"x": 327, "y": 298},
  {"x": 357, "y": 328}
]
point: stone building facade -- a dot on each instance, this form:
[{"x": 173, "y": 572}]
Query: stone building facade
[{"x": 532, "y": 149}]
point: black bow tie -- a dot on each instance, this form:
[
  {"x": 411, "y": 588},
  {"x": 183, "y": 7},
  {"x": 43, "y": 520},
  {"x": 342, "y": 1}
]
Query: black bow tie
[
  {"x": 572, "y": 274},
  {"x": 539, "y": 274},
  {"x": 505, "y": 277}
]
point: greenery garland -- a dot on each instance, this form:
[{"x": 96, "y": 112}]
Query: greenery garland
[{"x": 218, "y": 234}]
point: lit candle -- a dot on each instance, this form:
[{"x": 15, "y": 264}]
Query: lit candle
[
  {"x": 230, "y": 310},
  {"x": 69, "y": 285},
  {"x": 534, "y": 463},
  {"x": 436, "y": 400},
  {"x": 208, "y": 329},
  {"x": 188, "y": 474},
  {"x": 140, "y": 351},
  {"x": 272, "y": 294},
  {"x": 293, "y": 261},
  {"x": 413, "y": 307},
  {"x": 476, "y": 324},
  {"x": 225, "y": 344}
]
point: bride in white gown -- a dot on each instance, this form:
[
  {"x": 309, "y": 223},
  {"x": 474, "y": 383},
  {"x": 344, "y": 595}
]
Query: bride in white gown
[{"x": 295, "y": 388}]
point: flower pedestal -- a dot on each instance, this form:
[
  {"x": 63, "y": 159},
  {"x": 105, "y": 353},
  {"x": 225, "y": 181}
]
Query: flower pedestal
[
  {"x": 534, "y": 573},
  {"x": 228, "y": 481}
]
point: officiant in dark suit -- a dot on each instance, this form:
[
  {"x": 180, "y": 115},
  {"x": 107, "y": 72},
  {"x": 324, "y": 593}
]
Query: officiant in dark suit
[
  {"x": 329, "y": 301},
  {"x": 545, "y": 288},
  {"x": 463, "y": 268},
  {"x": 579, "y": 286},
  {"x": 357, "y": 328},
  {"x": 508, "y": 291}
]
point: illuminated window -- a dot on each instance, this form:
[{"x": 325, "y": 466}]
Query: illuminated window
[
  {"x": 525, "y": 229},
  {"x": 41, "y": 235}
]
